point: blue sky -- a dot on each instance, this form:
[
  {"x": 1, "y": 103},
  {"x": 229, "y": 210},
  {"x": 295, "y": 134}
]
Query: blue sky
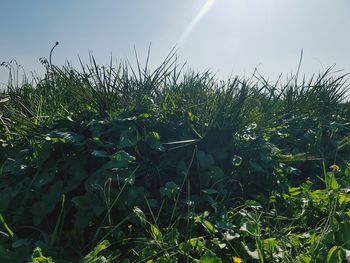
[{"x": 229, "y": 37}]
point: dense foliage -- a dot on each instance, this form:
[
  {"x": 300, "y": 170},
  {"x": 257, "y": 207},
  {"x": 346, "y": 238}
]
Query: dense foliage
[{"x": 108, "y": 164}]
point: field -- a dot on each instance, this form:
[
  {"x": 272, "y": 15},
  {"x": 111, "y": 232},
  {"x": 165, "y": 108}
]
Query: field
[{"x": 122, "y": 164}]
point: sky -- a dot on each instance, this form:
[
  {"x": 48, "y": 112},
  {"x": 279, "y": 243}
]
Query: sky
[{"x": 228, "y": 37}]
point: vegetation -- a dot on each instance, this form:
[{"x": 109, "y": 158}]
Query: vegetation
[{"x": 115, "y": 164}]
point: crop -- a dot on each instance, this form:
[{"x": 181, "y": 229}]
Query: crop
[{"x": 117, "y": 164}]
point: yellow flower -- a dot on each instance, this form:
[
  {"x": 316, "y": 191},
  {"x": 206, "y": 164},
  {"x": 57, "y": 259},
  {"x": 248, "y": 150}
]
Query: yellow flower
[
  {"x": 237, "y": 260},
  {"x": 335, "y": 168}
]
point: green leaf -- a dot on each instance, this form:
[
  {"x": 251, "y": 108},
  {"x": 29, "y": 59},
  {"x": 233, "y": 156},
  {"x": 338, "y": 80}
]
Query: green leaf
[
  {"x": 210, "y": 257},
  {"x": 305, "y": 259},
  {"x": 121, "y": 159},
  {"x": 123, "y": 156},
  {"x": 156, "y": 234},
  {"x": 89, "y": 108},
  {"x": 335, "y": 255},
  {"x": 256, "y": 167},
  {"x": 100, "y": 154},
  {"x": 270, "y": 245},
  {"x": 171, "y": 236},
  {"x": 82, "y": 202},
  {"x": 249, "y": 227},
  {"x": 294, "y": 191},
  {"x": 216, "y": 173},
  {"x": 205, "y": 160},
  {"x": 206, "y": 224},
  {"x": 143, "y": 116},
  {"x": 134, "y": 195},
  {"x": 82, "y": 218},
  {"x": 140, "y": 215},
  {"x": 343, "y": 199},
  {"x": 55, "y": 192},
  {"x": 343, "y": 235},
  {"x": 197, "y": 244},
  {"x": 331, "y": 182},
  {"x": 153, "y": 140},
  {"x": 181, "y": 168},
  {"x": 5, "y": 198},
  {"x": 209, "y": 226},
  {"x": 38, "y": 257},
  {"x": 170, "y": 190},
  {"x": 21, "y": 242},
  {"x": 93, "y": 257},
  {"x": 43, "y": 177},
  {"x": 127, "y": 138}
]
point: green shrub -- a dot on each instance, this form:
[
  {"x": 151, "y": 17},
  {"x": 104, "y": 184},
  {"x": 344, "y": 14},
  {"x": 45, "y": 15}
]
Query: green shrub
[{"x": 173, "y": 167}]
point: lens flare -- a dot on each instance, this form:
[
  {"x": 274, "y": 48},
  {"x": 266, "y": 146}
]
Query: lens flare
[{"x": 205, "y": 8}]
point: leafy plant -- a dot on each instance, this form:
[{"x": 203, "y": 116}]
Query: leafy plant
[{"x": 116, "y": 164}]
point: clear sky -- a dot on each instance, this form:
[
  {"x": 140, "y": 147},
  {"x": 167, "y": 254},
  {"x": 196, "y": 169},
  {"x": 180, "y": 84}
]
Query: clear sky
[{"x": 230, "y": 37}]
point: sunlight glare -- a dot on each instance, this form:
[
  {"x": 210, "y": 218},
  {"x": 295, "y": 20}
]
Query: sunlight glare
[{"x": 205, "y": 8}]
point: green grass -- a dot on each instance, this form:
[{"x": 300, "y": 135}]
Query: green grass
[{"x": 121, "y": 164}]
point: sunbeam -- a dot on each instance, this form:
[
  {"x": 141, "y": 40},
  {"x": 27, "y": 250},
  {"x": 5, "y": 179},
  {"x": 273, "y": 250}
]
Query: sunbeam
[{"x": 205, "y": 8}]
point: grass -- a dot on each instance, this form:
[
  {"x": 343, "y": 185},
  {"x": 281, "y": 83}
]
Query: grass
[{"x": 121, "y": 164}]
